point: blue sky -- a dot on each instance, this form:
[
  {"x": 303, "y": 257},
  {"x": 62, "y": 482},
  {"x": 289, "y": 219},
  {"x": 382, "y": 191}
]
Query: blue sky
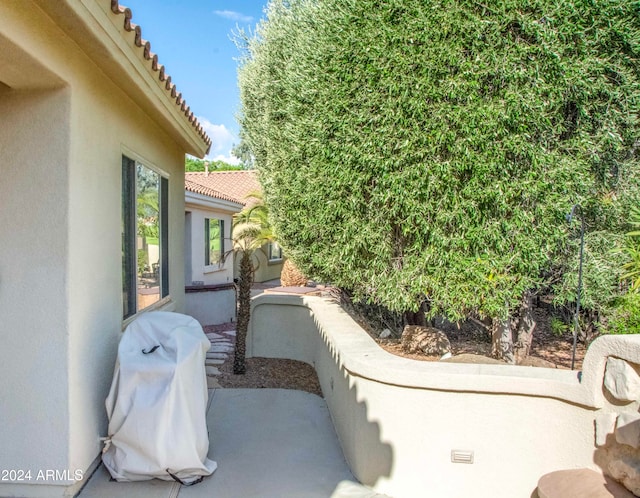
[{"x": 193, "y": 40}]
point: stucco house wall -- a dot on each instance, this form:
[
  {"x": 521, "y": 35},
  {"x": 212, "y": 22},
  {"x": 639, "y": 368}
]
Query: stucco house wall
[
  {"x": 266, "y": 270},
  {"x": 237, "y": 186},
  {"x": 210, "y": 291},
  {"x": 73, "y": 101}
]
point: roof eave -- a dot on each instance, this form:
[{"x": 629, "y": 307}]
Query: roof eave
[
  {"x": 100, "y": 30},
  {"x": 203, "y": 200}
]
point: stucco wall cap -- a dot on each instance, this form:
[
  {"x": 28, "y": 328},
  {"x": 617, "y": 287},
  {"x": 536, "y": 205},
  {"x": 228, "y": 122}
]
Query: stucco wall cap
[{"x": 361, "y": 356}]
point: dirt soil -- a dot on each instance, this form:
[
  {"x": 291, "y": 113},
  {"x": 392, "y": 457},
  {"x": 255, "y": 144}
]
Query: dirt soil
[
  {"x": 271, "y": 373},
  {"x": 470, "y": 343}
]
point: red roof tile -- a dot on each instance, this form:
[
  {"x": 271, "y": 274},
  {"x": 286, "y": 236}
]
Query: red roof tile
[
  {"x": 170, "y": 88},
  {"x": 232, "y": 186}
]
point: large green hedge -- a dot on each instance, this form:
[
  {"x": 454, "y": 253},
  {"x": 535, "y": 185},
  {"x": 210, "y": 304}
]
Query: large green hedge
[{"x": 412, "y": 148}]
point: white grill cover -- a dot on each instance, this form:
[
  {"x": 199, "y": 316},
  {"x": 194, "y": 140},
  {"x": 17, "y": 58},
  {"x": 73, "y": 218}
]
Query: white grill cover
[{"x": 157, "y": 402}]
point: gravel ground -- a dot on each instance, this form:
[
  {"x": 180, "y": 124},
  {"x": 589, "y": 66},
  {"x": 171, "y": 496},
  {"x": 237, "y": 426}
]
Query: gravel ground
[{"x": 266, "y": 372}]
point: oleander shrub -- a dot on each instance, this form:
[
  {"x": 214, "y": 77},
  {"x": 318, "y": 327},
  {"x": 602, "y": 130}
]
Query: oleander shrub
[{"x": 414, "y": 150}]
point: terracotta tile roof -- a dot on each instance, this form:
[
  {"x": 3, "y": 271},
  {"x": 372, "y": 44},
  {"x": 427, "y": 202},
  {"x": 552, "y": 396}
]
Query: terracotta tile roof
[
  {"x": 226, "y": 185},
  {"x": 170, "y": 88}
]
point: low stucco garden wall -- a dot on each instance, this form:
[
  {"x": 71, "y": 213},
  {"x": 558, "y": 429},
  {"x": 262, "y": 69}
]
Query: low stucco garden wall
[
  {"x": 399, "y": 420},
  {"x": 211, "y": 304}
]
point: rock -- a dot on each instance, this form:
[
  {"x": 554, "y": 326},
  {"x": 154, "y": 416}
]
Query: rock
[
  {"x": 577, "y": 483},
  {"x": 212, "y": 383},
  {"x": 621, "y": 380},
  {"x": 625, "y": 468},
  {"x": 605, "y": 425},
  {"x": 473, "y": 358},
  {"x": 628, "y": 429},
  {"x": 214, "y": 361},
  {"x": 533, "y": 361},
  {"x": 211, "y": 370},
  {"x": 385, "y": 334},
  {"x": 425, "y": 340}
]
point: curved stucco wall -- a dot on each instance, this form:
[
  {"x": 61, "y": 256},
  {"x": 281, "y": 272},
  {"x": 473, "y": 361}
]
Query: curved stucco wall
[{"x": 399, "y": 420}]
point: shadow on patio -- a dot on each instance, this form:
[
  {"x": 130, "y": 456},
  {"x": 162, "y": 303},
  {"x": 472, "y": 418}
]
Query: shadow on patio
[{"x": 268, "y": 443}]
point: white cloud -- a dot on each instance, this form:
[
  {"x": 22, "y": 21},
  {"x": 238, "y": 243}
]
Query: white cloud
[
  {"x": 229, "y": 159},
  {"x": 232, "y": 15},
  {"x": 222, "y": 140}
]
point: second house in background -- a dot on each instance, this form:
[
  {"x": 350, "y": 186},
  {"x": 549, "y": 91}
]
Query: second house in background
[{"x": 211, "y": 200}]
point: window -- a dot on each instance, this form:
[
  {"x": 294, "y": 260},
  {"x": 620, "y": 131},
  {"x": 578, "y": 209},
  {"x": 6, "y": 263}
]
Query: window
[
  {"x": 213, "y": 241},
  {"x": 275, "y": 251},
  {"x": 145, "y": 237}
]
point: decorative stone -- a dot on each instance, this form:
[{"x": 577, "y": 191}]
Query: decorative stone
[
  {"x": 212, "y": 370},
  {"x": 213, "y": 335},
  {"x": 605, "y": 425},
  {"x": 216, "y": 356},
  {"x": 212, "y": 383},
  {"x": 213, "y": 361},
  {"x": 621, "y": 380},
  {"x": 626, "y": 470},
  {"x": 628, "y": 429},
  {"x": 385, "y": 333},
  {"x": 221, "y": 348},
  {"x": 426, "y": 340},
  {"x": 579, "y": 483}
]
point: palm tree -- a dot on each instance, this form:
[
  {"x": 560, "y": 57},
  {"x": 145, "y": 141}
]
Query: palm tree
[{"x": 251, "y": 230}]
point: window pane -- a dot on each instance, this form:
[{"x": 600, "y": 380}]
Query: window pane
[
  {"x": 148, "y": 236},
  {"x": 214, "y": 241},
  {"x": 128, "y": 237},
  {"x": 275, "y": 251},
  {"x": 145, "y": 237}
]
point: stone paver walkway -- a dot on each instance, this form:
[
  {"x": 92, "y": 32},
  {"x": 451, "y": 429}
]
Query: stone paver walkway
[{"x": 222, "y": 345}]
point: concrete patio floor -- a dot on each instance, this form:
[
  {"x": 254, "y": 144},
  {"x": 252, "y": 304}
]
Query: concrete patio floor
[{"x": 268, "y": 443}]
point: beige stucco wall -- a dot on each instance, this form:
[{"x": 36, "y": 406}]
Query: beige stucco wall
[
  {"x": 213, "y": 274},
  {"x": 398, "y": 420},
  {"x": 34, "y": 411},
  {"x": 60, "y": 244},
  {"x": 215, "y": 303},
  {"x": 265, "y": 270}
]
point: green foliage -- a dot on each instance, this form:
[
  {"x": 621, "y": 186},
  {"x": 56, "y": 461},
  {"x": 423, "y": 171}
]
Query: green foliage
[
  {"x": 142, "y": 261},
  {"x": 192, "y": 164},
  {"x": 603, "y": 262},
  {"x": 558, "y": 326},
  {"x": 632, "y": 250},
  {"x": 251, "y": 226},
  {"x": 242, "y": 152},
  {"x": 410, "y": 148},
  {"x": 625, "y": 318}
]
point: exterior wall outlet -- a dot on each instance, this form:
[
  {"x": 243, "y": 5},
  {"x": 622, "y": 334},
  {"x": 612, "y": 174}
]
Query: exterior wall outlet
[{"x": 461, "y": 456}]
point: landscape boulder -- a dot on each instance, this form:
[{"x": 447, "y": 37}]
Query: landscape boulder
[
  {"x": 622, "y": 380},
  {"x": 424, "y": 340}
]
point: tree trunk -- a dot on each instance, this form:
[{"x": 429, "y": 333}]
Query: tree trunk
[
  {"x": 525, "y": 328},
  {"x": 244, "y": 312},
  {"x": 502, "y": 340},
  {"x": 417, "y": 318}
]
